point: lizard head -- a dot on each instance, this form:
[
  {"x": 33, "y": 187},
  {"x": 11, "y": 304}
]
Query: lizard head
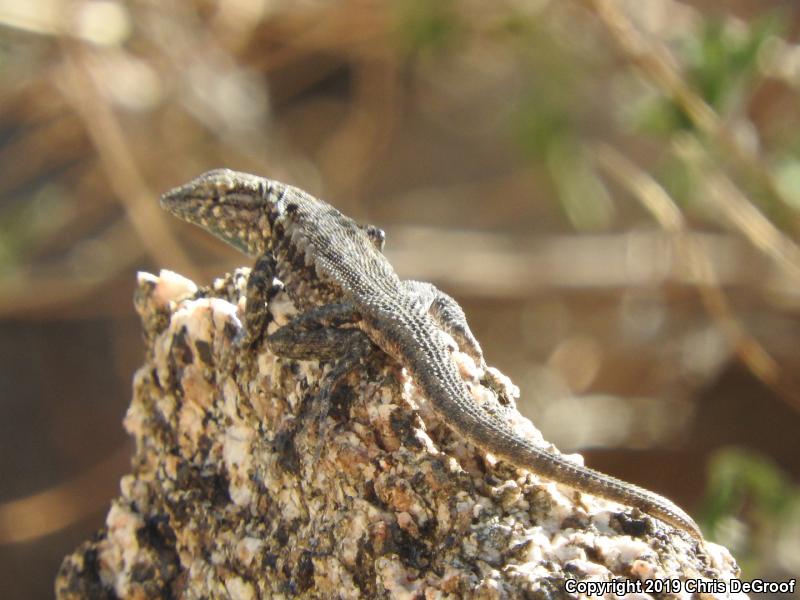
[{"x": 233, "y": 206}]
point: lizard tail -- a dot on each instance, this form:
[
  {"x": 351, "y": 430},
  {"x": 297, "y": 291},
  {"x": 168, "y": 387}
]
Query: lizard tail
[{"x": 453, "y": 403}]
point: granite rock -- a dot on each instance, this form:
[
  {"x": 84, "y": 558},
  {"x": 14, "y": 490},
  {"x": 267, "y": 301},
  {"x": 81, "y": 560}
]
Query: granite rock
[{"x": 256, "y": 476}]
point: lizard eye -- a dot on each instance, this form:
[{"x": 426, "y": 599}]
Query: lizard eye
[{"x": 376, "y": 235}]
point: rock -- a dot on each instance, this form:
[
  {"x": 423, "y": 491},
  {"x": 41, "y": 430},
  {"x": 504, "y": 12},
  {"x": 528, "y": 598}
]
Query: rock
[{"x": 261, "y": 477}]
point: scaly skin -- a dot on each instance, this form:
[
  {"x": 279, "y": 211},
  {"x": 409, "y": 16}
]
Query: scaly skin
[{"x": 324, "y": 258}]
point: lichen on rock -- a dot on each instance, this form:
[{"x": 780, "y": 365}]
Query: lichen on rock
[{"x": 257, "y": 476}]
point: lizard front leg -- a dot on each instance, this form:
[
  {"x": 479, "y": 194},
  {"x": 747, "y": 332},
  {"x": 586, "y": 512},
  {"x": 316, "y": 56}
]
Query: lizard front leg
[
  {"x": 262, "y": 287},
  {"x": 314, "y": 334},
  {"x": 322, "y": 334}
]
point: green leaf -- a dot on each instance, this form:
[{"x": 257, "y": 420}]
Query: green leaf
[{"x": 750, "y": 506}]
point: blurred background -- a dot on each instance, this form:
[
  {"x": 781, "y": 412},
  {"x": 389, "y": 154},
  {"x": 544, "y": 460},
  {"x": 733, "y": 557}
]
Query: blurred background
[{"x": 611, "y": 189}]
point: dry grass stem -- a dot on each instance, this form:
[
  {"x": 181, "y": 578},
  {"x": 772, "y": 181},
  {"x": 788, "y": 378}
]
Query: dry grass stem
[
  {"x": 657, "y": 64},
  {"x": 666, "y": 212}
]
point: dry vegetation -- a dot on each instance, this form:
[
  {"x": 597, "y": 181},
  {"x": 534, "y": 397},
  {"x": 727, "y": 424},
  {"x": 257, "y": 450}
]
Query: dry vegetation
[{"x": 612, "y": 188}]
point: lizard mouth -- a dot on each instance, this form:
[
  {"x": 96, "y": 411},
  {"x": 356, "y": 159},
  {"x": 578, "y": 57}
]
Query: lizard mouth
[
  {"x": 218, "y": 191},
  {"x": 177, "y": 202}
]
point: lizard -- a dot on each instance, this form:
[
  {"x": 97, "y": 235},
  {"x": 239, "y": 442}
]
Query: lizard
[{"x": 335, "y": 272}]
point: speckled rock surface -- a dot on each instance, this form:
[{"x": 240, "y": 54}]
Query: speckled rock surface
[{"x": 261, "y": 477}]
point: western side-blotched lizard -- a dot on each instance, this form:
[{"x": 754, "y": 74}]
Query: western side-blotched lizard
[{"x": 335, "y": 273}]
